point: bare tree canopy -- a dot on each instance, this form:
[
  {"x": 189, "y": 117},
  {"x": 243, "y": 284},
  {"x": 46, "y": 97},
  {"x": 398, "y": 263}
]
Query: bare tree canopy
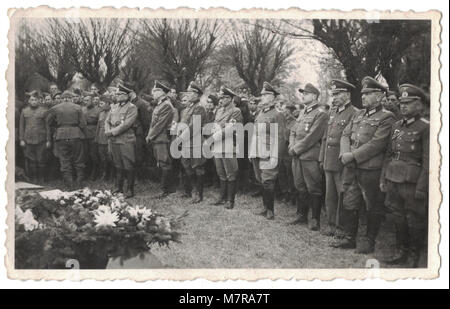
[
  {"x": 258, "y": 55},
  {"x": 177, "y": 48}
]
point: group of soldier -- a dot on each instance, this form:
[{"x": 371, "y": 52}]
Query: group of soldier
[{"x": 368, "y": 163}]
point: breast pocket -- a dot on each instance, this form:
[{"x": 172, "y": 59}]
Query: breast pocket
[{"x": 410, "y": 143}]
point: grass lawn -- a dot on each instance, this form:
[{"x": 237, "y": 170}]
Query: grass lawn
[{"x": 215, "y": 237}]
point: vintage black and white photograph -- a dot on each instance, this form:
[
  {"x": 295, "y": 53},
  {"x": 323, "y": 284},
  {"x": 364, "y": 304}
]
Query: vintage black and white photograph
[{"x": 144, "y": 141}]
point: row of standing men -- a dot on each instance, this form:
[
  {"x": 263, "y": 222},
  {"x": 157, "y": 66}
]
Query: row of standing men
[{"x": 372, "y": 160}]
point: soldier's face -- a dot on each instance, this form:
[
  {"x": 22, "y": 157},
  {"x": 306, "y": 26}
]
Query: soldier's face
[
  {"x": 33, "y": 101},
  {"x": 413, "y": 108},
  {"x": 48, "y": 101},
  {"x": 308, "y": 97},
  {"x": 122, "y": 98},
  {"x": 267, "y": 98},
  {"x": 96, "y": 101},
  {"x": 253, "y": 106},
  {"x": 209, "y": 105},
  {"x": 94, "y": 89},
  {"x": 339, "y": 98},
  {"x": 224, "y": 101},
  {"x": 53, "y": 89},
  {"x": 157, "y": 93},
  {"x": 371, "y": 99},
  {"x": 57, "y": 99},
  {"x": 87, "y": 101}
]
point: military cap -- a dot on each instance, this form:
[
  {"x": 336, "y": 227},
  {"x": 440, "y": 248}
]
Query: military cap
[
  {"x": 226, "y": 92},
  {"x": 159, "y": 85},
  {"x": 392, "y": 93},
  {"x": 338, "y": 85},
  {"x": 34, "y": 93},
  {"x": 213, "y": 98},
  {"x": 125, "y": 89},
  {"x": 269, "y": 89},
  {"x": 67, "y": 95},
  {"x": 310, "y": 89},
  {"x": 369, "y": 84},
  {"x": 194, "y": 88},
  {"x": 410, "y": 93},
  {"x": 57, "y": 93}
]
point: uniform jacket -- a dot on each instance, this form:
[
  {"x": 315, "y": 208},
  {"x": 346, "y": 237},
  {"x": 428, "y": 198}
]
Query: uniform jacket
[
  {"x": 306, "y": 135},
  {"x": 69, "y": 121},
  {"x": 226, "y": 118},
  {"x": 367, "y": 136},
  {"x": 91, "y": 115},
  {"x": 100, "y": 136},
  {"x": 144, "y": 117},
  {"x": 407, "y": 155},
  {"x": 32, "y": 125},
  {"x": 263, "y": 139},
  {"x": 161, "y": 122},
  {"x": 120, "y": 122},
  {"x": 192, "y": 133},
  {"x": 330, "y": 148}
]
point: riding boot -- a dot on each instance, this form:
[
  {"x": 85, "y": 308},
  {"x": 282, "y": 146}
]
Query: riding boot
[
  {"x": 187, "y": 181},
  {"x": 80, "y": 178},
  {"x": 367, "y": 244},
  {"x": 119, "y": 181},
  {"x": 165, "y": 179},
  {"x": 222, "y": 193},
  {"x": 130, "y": 183},
  {"x": 68, "y": 181},
  {"x": 400, "y": 255},
  {"x": 32, "y": 172},
  {"x": 198, "y": 197},
  {"x": 315, "y": 204},
  {"x": 41, "y": 174},
  {"x": 416, "y": 237},
  {"x": 302, "y": 210},
  {"x": 263, "y": 212},
  {"x": 349, "y": 222},
  {"x": 231, "y": 190},
  {"x": 270, "y": 204}
]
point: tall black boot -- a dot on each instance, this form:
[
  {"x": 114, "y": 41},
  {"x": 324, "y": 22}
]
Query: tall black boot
[
  {"x": 400, "y": 255},
  {"x": 302, "y": 209},
  {"x": 130, "y": 183},
  {"x": 231, "y": 193},
  {"x": 315, "y": 204},
  {"x": 41, "y": 174},
  {"x": 270, "y": 203},
  {"x": 367, "y": 244},
  {"x": 68, "y": 181},
  {"x": 349, "y": 220},
  {"x": 198, "y": 190},
  {"x": 416, "y": 237},
  {"x": 187, "y": 185},
  {"x": 103, "y": 171},
  {"x": 119, "y": 181},
  {"x": 32, "y": 172},
  {"x": 165, "y": 179},
  {"x": 222, "y": 193},
  {"x": 80, "y": 178},
  {"x": 263, "y": 212}
]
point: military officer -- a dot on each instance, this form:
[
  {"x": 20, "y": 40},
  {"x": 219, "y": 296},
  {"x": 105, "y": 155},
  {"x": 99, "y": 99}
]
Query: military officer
[
  {"x": 91, "y": 114},
  {"x": 101, "y": 139},
  {"x": 304, "y": 145},
  {"x": 119, "y": 128},
  {"x": 34, "y": 137},
  {"x": 363, "y": 145},
  {"x": 340, "y": 114},
  {"x": 159, "y": 134},
  {"x": 224, "y": 146},
  {"x": 405, "y": 176},
  {"x": 192, "y": 140},
  {"x": 71, "y": 128},
  {"x": 267, "y": 145}
]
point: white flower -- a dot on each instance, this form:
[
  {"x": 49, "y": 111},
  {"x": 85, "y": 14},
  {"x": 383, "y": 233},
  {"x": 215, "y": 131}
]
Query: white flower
[
  {"x": 28, "y": 221},
  {"x": 133, "y": 211},
  {"x": 94, "y": 199},
  {"x": 146, "y": 214},
  {"x": 86, "y": 192},
  {"x": 62, "y": 202},
  {"x": 106, "y": 218},
  {"x": 103, "y": 208},
  {"x": 78, "y": 201}
]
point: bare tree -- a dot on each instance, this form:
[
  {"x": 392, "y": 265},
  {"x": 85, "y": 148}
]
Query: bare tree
[
  {"x": 257, "y": 54},
  {"x": 178, "y": 48}
]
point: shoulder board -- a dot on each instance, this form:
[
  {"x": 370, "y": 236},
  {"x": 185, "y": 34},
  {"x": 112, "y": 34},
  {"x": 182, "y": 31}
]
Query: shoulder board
[{"x": 425, "y": 120}]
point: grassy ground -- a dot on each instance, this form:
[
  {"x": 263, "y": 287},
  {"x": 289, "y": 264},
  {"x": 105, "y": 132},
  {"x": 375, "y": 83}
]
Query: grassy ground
[{"x": 214, "y": 237}]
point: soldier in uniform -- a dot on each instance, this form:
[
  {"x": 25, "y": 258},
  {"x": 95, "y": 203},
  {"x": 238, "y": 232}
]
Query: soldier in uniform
[
  {"x": 71, "y": 128},
  {"x": 405, "y": 176},
  {"x": 340, "y": 115},
  {"x": 102, "y": 140},
  {"x": 268, "y": 143},
  {"x": 210, "y": 169},
  {"x": 91, "y": 114},
  {"x": 224, "y": 148},
  {"x": 304, "y": 146},
  {"x": 392, "y": 104},
  {"x": 34, "y": 137},
  {"x": 119, "y": 128},
  {"x": 159, "y": 134},
  {"x": 363, "y": 145},
  {"x": 192, "y": 140}
]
